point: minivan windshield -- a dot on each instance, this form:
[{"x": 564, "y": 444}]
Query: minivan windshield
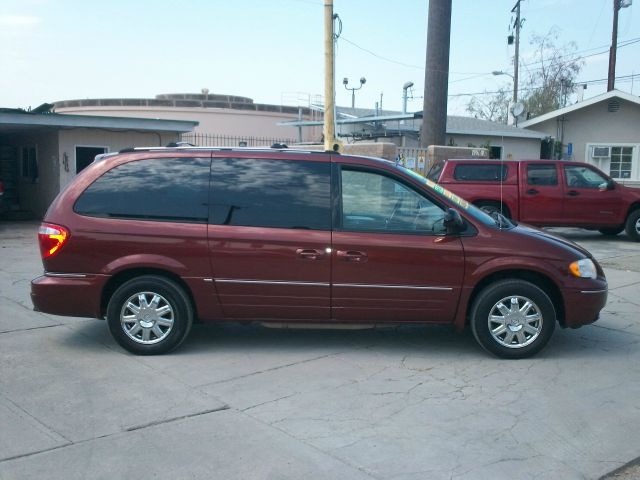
[{"x": 498, "y": 220}]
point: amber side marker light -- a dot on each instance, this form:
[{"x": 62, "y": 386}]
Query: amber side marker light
[{"x": 51, "y": 238}]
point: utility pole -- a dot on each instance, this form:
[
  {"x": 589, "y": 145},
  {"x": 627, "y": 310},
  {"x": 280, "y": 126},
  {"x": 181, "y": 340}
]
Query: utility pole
[
  {"x": 436, "y": 75},
  {"x": 614, "y": 45},
  {"x": 516, "y": 58},
  {"x": 329, "y": 129},
  {"x": 617, "y": 5}
]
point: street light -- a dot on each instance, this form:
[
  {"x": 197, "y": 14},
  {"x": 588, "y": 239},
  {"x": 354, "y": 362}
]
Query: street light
[
  {"x": 345, "y": 82},
  {"x": 500, "y": 72}
]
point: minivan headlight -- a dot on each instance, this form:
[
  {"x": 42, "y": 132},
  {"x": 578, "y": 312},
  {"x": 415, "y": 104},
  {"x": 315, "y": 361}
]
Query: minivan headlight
[{"x": 584, "y": 268}]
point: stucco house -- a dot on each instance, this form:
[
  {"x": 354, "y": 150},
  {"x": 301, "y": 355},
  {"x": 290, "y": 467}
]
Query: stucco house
[{"x": 603, "y": 130}]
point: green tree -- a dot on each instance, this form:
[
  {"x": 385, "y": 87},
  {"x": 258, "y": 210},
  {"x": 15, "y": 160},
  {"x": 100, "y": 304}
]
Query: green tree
[
  {"x": 552, "y": 76},
  {"x": 548, "y": 81},
  {"x": 491, "y": 106}
]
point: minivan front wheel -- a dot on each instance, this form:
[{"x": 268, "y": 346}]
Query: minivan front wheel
[
  {"x": 513, "y": 318},
  {"x": 149, "y": 315}
]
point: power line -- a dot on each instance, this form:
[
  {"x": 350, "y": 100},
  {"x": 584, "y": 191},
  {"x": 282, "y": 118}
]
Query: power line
[
  {"x": 622, "y": 78},
  {"x": 621, "y": 44}
]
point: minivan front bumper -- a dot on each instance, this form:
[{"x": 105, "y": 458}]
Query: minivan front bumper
[
  {"x": 69, "y": 294},
  {"x": 582, "y": 307}
]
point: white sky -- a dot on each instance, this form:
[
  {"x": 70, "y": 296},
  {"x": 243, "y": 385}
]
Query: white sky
[{"x": 68, "y": 49}]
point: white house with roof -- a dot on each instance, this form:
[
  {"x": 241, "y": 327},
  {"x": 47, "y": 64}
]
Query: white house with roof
[{"x": 603, "y": 130}]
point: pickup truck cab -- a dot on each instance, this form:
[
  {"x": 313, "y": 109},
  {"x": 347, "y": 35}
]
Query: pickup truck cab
[{"x": 544, "y": 193}]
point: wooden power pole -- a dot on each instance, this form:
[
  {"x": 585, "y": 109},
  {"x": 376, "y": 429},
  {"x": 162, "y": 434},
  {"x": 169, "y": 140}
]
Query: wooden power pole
[
  {"x": 436, "y": 75},
  {"x": 329, "y": 129}
]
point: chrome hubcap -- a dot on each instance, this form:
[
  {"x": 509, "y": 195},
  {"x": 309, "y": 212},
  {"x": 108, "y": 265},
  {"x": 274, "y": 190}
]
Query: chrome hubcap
[
  {"x": 147, "y": 317},
  {"x": 638, "y": 226},
  {"x": 515, "y": 321}
]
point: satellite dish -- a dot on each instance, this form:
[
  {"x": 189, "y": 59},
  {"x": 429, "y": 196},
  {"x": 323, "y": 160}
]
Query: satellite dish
[{"x": 517, "y": 109}]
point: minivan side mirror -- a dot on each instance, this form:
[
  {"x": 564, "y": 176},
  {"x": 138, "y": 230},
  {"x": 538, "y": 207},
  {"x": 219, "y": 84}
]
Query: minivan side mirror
[{"x": 453, "y": 221}]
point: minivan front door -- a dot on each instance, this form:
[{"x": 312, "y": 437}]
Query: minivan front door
[
  {"x": 270, "y": 237},
  {"x": 391, "y": 260}
]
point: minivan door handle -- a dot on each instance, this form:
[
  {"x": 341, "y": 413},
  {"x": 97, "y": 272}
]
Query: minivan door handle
[
  {"x": 309, "y": 253},
  {"x": 352, "y": 256},
  {"x": 573, "y": 193},
  {"x": 532, "y": 191}
]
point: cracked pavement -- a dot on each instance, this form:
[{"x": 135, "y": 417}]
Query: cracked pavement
[{"x": 257, "y": 403}]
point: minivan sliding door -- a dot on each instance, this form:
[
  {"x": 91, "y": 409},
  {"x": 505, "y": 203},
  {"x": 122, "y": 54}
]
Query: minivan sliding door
[{"x": 270, "y": 237}]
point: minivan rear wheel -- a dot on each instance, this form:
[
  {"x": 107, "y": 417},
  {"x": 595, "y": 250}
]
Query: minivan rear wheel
[
  {"x": 149, "y": 315},
  {"x": 513, "y": 318}
]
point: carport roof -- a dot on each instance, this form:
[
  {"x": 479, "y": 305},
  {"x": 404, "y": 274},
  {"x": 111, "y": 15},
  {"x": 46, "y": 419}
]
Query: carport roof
[{"x": 13, "y": 119}]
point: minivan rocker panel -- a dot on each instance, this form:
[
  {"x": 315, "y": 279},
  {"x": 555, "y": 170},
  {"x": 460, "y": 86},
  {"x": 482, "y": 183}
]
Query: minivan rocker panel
[{"x": 156, "y": 239}]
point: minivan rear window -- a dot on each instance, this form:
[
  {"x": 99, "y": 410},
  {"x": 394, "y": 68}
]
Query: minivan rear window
[
  {"x": 271, "y": 193},
  {"x": 161, "y": 189},
  {"x": 481, "y": 173}
]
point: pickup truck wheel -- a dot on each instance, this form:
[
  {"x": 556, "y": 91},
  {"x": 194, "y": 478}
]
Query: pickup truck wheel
[
  {"x": 611, "y": 231},
  {"x": 490, "y": 207},
  {"x": 633, "y": 225},
  {"x": 513, "y": 318},
  {"x": 149, "y": 315}
]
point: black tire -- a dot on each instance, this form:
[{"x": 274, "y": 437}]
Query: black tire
[
  {"x": 489, "y": 299},
  {"x": 611, "y": 231},
  {"x": 490, "y": 207},
  {"x": 632, "y": 226},
  {"x": 165, "y": 318}
]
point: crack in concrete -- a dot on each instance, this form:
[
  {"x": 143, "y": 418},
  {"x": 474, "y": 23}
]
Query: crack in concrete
[
  {"x": 175, "y": 419},
  {"x": 128, "y": 430}
]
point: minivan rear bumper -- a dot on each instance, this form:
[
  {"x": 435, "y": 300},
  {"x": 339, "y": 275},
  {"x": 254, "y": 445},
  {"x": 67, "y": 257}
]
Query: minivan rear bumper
[
  {"x": 583, "y": 306},
  {"x": 74, "y": 295}
]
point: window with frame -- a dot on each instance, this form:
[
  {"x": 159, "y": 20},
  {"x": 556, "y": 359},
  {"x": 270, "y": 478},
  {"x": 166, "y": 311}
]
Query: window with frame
[
  {"x": 253, "y": 192},
  {"x": 494, "y": 172},
  {"x": 372, "y": 202},
  {"x": 29, "y": 156},
  {"x": 620, "y": 164},
  {"x": 542, "y": 174},
  {"x": 160, "y": 189},
  {"x": 583, "y": 177}
]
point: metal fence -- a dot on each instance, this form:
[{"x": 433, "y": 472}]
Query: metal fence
[{"x": 206, "y": 140}]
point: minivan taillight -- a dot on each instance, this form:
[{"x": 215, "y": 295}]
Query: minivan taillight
[{"x": 51, "y": 238}]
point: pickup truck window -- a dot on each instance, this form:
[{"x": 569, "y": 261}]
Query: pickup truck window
[
  {"x": 481, "y": 173},
  {"x": 583, "y": 177},
  {"x": 435, "y": 171},
  {"x": 542, "y": 174}
]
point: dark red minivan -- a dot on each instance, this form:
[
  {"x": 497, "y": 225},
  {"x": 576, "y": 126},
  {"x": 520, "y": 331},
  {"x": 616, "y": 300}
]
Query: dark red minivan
[{"x": 154, "y": 239}]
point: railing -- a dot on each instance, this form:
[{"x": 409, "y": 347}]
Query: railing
[{"x": 206, "y": 139}]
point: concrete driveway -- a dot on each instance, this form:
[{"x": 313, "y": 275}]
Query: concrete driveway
[{"x": 254, "y": 403}]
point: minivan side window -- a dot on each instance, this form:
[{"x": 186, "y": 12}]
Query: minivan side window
[
  {"x": 372, "y": 202},
  {"x": 271, "y": 193},
  {"x": 481, "y": 173},
  {"x": 161, "y": 189},
  {"x": 542, "y": 174}
]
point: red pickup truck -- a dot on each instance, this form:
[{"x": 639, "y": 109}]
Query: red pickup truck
[{"x": 544, "y": 193}]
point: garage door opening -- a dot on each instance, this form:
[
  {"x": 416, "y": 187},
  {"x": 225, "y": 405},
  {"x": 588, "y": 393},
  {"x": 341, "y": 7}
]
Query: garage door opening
[{"x": 86, "y": 155}]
